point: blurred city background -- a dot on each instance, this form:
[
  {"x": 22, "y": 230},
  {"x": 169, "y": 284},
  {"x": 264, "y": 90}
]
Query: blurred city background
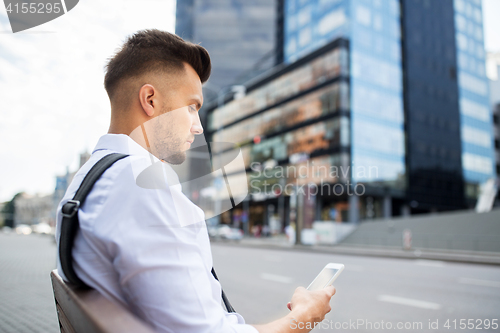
[{"x": 367, "y": 128}]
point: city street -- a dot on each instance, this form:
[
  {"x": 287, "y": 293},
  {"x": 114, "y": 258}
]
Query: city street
[{"x": 259, "y": 283}]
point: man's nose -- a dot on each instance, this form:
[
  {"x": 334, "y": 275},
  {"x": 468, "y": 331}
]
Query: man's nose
[{"x": 197, "y": 128}]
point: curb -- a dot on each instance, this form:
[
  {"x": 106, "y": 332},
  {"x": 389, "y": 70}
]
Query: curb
[{"x": 451, "y": 256}]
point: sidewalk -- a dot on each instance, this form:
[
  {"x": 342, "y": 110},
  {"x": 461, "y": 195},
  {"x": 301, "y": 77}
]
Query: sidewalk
[
  {"x": 26, "y": 297},
  {"x": 280, "y": 242}
]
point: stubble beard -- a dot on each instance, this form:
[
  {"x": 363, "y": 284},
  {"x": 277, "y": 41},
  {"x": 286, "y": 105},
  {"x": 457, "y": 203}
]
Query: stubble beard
[
  {"x": 176, "y": 158},
  {"x": 170, "y": 148},
  {"x": 170, "y": 151}
]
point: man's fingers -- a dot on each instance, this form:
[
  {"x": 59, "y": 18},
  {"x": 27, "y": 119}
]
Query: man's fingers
[
  {"x": 300, "y": 288},
  {"x": 330, "y": 290}
]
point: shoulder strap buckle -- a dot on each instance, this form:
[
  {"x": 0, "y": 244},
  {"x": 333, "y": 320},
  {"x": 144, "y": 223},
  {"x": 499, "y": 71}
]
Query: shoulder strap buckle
[{"x": 70, "y": 208}]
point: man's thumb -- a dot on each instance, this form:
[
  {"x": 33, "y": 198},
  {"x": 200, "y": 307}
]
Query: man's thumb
[{"x": 330, "y": 290}]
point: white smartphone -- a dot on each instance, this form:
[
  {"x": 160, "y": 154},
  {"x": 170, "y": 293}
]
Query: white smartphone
[{"x": 326, "y": 276}]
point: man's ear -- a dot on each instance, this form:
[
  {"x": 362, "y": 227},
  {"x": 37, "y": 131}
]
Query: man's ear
[{"x": 148, "y": 97}]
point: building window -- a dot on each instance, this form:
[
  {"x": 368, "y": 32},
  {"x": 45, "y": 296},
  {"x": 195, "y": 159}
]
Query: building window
[
  {"x": 363, "y": 15},
  {"x": 461, "y": 23},
  {"x": 305, "y": 37},
  {"x": 474, "y": 110},
  {"x": 476, "y": 163},
  {"x": 331, "y": 21},
  {"x": 477, "y": 15},
  {"x": 377, "y": 22},
  {"x": 479, "y": 33},
  {"x": 472, "y": 84},
  {"x": 462, "y": 41},
  {"x": 304, "y": 16},
  {"x": 460, "y": 6},
  {"x": 291, "y": 23},
  {"x": 476, "y": 136}
]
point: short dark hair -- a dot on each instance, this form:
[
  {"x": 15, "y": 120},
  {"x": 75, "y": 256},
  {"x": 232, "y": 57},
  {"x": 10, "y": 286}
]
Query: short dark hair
[{"x": 153, "y": 50}]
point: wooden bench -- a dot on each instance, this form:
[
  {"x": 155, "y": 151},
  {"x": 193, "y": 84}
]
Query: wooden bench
[{"x": 87, "y": 311}]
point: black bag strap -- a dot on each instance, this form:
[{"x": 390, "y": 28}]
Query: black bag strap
[
  {"x": 228, "y": 305},
  {"x": 70, "y": 223}
]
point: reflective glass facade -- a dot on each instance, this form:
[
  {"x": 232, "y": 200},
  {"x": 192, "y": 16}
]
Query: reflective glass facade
[
  {"x": 432, "y": 109},
  {"x": 449, "y": 123},
  {"x": 376, "y": 89},
  {"x": 414, "y": 108},
  {"x": 304, "y": 110},
  {"x": 299, "y": 119},
  {"x": 377, "y": 117},
  {"x": 184, "y": 19},
  {"x": 236, "y": 33},
  {"x": 310, "y": 24},
  {"x": 318, "y": 104},
  {"x": 475, "y": 113},
  {"x": 305, "y": 77},
  {"x": 328, "y": 135}
]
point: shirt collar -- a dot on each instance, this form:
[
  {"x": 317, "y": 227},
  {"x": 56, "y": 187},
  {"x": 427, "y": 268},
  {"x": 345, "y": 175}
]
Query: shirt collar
[{"x": 122, "y": 143}]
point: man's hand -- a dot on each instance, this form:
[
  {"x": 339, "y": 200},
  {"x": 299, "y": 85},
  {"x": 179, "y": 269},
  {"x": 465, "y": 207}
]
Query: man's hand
[
  {"x": 305, "y": 307},
  {"x": 311, "y": 306}
]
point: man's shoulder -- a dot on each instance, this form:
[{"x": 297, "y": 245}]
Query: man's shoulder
[
  {"x": 116, "y": 180},
  {"x": 121, "y": 172},
  {"x": 132, "y": 191}
]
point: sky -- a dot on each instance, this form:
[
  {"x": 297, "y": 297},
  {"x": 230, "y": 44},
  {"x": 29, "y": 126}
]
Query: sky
[
  {"x": 491, "y": 13},
  {"x": 53, "y": 105}
]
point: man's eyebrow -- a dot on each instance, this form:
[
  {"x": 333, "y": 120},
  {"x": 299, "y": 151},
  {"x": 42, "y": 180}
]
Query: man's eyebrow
[{"x": 197, "y": 100}]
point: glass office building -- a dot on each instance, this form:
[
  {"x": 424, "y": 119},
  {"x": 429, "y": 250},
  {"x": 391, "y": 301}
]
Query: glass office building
[
  {"x": 377, "y": 116},
  {"x": 431, "y": 103},
  {"x": 394, "y": 91},
  {"x": 294, "y": 127},
  {"x": 448, "y": 149},
  {"x": 475, "y": 114},
  {"x": 238, "y": 34},
  {"x": 376, "y": 82}
]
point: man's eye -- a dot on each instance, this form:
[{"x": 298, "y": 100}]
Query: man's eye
[{"x": 192, "y": 108}]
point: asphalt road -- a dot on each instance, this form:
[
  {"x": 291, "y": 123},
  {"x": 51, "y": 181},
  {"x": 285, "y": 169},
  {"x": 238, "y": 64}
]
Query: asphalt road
[
  {"x": 403, "y": 292},
  {"x": 259, "y": 283}
]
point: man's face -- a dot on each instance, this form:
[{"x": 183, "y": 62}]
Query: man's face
[{"x": 171, "y": 133}]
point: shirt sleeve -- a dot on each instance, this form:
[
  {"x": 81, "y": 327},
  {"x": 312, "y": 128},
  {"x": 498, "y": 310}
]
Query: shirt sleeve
[{"x": 163, "y": 268}]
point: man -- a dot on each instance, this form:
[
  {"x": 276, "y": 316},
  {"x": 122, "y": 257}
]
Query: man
[{"x": 147, "y": 247}]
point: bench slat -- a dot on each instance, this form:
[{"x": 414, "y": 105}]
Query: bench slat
[
  {"x": 64, "y": 323},
  {"x": 87, "y": 311}
]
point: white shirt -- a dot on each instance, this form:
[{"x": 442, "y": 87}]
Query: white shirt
[{"x": 136, "y": 247}]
